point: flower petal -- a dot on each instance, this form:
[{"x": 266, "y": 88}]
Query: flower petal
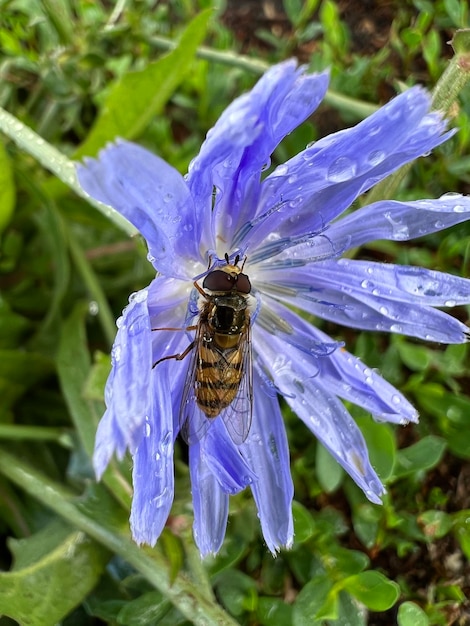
[
  {"x": 398, "y": 221},
  {"x": 225, "y": 461},
  {"x": 266, "y": 449},
  {"x": 210, "y": 504},
  {"x": 375, "y": 296},
  {"x": 317, "y": 185},
  {"x": 240, "y": 145},
  {"x": 152, "y": 195},
  {"x": 344, "y": 375},
  {"x": 152, "y": 474},
  {"x": 108, "y": 441},
  {"x": 388, "y": 219},
  {"x": 320, "y": 410},
  {"x": 128, "y": 395}
]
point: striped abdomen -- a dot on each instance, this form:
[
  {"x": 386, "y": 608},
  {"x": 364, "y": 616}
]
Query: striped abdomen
[{"x": 219, "y": 372}]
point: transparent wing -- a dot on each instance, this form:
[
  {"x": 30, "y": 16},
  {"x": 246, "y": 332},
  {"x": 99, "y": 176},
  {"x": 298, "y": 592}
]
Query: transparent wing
[
  {"x": 193, "y": 422},
  {"x": 236, "y": 411},
  {"x": 238, "y": 414}
]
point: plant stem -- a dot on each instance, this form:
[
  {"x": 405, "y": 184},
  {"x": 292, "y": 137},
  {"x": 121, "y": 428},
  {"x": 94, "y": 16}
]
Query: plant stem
[
  {"x": 180, "y": 591},
  {"x": 444, "y": 95},
  {"x": 57, "y": 163}
]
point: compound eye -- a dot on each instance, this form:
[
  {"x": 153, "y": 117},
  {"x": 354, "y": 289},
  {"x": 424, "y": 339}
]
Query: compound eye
[
  {"x": 217, "y": 280},
  {"x": 243, "y": 284}
]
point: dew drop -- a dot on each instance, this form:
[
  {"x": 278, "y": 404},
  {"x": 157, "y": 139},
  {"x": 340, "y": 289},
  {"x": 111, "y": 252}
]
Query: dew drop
[
  {"x": 296, "y": 202},
  {"x": 139, "y": 296},
  {"x": 396, "y": 399},
  {"x": 458, "y": 208},
  {"x": 374, "y": 130},
  {"x": 400, "y": 231},
  {"x": 396, "y": 328},
  {"x": 342, "y": 169},
  {"x": 383, "y": 310},
  {"x": 93, "y": 308},
  {"x": 376, "y": 157},
  {"x": 450, "y": 303},
  {"x": 161, "y": 499},
  {"x": 116, "y": 354},
  {"x": 281, "y": 170}
]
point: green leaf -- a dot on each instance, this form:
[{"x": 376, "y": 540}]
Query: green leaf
[
  {"x": 410, "y": 614},
  {"x": 304, "y": 524},
  {"x": 149, "y": 608},
  {"x": 53, "y": 572},
  {"x": 311, "y": 600},
  {"x": 373, "y": 589},
  {"x": 422, "y": 455},
  {"x": 417, "y": 358},
  {"x": 436, "y": 524},
  {"x": 462, "y": 531},
  {"x": 343, "y": 562},
  {"x": 349, "y": 612},
  {"x": 73, "y": 366},
  {"x": 237, "y": 592},
  {"x": 7, "y": 189},
  {"x": 273, "y": 612},
  {"x": 381, "y": 445},
  {"x": 140, "y": 95},
  {"x": 329, "y": 472},
  {"x": 19, "y": 371}
]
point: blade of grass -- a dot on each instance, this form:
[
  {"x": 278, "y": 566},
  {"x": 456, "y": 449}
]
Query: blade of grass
[{"x": 181, "y": 592}]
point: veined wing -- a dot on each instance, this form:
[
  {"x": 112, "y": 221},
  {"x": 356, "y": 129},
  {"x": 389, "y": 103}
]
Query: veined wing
[
  {"x": 219, "y": 383},
  {"x": 193, "y": 422},
  {"x": 237, "y": 415}
]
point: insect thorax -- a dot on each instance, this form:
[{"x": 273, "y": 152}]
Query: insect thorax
[{"x": 228, "y": 313}]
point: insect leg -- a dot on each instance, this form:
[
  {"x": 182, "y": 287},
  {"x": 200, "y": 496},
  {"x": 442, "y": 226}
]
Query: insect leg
[{"x": 178, "y": 357}]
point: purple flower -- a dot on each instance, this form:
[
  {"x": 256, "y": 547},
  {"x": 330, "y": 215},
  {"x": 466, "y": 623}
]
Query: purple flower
[{"x": 287, "y": 230}]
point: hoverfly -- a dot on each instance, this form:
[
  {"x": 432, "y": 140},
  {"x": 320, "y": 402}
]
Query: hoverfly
[{"x": 219, "y": 378}]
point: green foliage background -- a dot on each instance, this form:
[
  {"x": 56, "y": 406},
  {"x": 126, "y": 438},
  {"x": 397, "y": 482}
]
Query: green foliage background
[{"x": 80, "y": 72}]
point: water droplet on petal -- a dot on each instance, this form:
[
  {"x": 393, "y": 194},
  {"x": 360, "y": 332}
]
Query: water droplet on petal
[
  {"x": 342, "y": 169},
  {"x": 376, "y": 157},
  {"x": 116, "y": 354},
  {"x": 400, "y": 231},
  {"x": 281, "y": 170},
  {"x": 374, "y": 130},
  {"x": 139, "y": 296}
]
